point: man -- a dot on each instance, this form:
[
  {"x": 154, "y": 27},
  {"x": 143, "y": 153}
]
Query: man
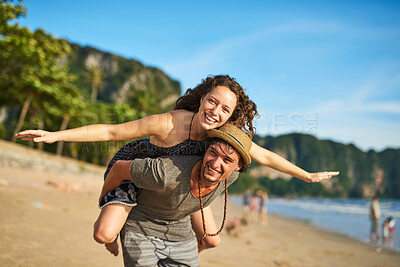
[
  {"x": 374, "y": 215},
  {"x": 158, "y": 230}
]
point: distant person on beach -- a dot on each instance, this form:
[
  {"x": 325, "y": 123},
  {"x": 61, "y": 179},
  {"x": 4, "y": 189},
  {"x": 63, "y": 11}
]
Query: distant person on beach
[
  {"x": 254, "y": 207},
  {"x": 388, "y": 229},
  {"x": 262, "y": 211},
  {"x": 234, "y": 226},
  {"x": 374, "y": 215},
  {"x": 158, "y": 230},
  {"x": 246, "y": 204},
  {"x": 391, "y": 225},
  {"x": 182, "y": 131}
]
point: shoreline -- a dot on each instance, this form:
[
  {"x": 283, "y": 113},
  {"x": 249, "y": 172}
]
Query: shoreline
[
  {"x": 370, "y": 243},
  {"x": 349, "y": 217}
]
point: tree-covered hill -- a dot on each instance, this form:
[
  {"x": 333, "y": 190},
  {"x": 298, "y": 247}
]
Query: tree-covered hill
[{"x": 122, "y": 80}]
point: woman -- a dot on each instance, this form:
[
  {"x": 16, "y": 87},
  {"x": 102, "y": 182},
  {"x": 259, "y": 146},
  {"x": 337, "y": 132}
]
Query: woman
[{"x": 181, "y": 131}]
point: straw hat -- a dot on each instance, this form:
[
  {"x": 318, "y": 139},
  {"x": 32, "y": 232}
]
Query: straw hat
[{"x": 235, "y": 137}]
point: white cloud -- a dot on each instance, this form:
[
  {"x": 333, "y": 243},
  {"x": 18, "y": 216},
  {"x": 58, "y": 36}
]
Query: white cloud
[{"x": 392, "y": 107}]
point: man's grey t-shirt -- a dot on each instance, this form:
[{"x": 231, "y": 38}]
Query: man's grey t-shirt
[{"x": 165, "y": 200}]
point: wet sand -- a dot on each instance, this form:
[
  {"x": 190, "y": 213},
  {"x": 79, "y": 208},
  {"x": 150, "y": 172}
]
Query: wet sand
[{"x": 47, "y": 215}]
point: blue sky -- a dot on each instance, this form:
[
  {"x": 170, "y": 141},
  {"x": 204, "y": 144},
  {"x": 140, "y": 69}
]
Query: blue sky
[{"x": 327, "y": 68}]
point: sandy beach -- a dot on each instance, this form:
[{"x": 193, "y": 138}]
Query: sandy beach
[{"x": 49, "y": 206}]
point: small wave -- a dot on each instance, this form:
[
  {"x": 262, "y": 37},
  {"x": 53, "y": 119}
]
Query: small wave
[{"x": 351, "y": 207}]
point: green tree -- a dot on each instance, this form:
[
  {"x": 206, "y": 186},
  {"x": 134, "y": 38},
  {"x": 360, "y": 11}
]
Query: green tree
[
  {"x": 10, "y": 11},
  {"x": 9, "y": 58},
  {"x": 68, "y": 105},
  {"x": 29, "y": 65},
  {"x": 143, "y": 101}
]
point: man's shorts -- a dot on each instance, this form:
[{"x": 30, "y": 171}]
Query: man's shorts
[{"x": 140, "y": 250}]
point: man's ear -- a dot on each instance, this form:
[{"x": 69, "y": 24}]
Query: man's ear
[{"x": 239, "y": 166}]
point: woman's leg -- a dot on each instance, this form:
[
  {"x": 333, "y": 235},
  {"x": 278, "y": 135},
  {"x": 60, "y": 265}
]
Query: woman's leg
[{"x": 110, "y": 222}]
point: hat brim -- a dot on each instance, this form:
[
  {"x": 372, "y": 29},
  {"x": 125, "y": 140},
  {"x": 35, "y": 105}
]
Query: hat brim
[{"x": 214, "y": 133}]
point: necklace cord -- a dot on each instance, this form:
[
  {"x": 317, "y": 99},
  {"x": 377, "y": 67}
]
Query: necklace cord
[{"x": 202, "y": 209}]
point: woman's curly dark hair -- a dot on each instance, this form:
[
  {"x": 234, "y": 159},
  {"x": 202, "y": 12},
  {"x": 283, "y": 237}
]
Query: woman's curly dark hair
[{"x": 244, "y": 112}]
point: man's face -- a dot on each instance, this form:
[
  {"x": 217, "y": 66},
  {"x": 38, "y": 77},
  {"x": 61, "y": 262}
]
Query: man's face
[{"x": 219, "y": 162}]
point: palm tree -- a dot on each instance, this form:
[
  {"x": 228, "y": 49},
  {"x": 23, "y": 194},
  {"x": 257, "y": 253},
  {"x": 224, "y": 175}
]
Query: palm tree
[{"x": 96, "y": 76}]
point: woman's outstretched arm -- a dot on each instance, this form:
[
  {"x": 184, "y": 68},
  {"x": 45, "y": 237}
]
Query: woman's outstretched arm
[
  {"x": 148, "y": 126},
  {"x": 268, "y": 158}
]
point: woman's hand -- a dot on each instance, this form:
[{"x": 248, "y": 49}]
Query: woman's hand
[
  {"x": 319, "y": 176},
  {"x": 38, "y": 136}
]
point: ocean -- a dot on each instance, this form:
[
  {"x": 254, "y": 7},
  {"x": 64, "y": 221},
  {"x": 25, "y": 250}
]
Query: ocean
[{"x": 345, "y": 216}]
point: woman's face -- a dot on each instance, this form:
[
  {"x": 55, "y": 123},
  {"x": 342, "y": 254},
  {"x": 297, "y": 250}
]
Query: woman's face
[{"x": 216, "y": 107}]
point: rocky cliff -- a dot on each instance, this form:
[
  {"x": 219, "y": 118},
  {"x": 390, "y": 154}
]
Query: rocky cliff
[{"x": 362, "y": 174}]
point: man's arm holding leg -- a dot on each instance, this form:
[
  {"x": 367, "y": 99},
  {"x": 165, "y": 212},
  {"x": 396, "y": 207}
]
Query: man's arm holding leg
[
  {"x": 119, "y": 172},
  {"x": 197, "y": 225}
]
